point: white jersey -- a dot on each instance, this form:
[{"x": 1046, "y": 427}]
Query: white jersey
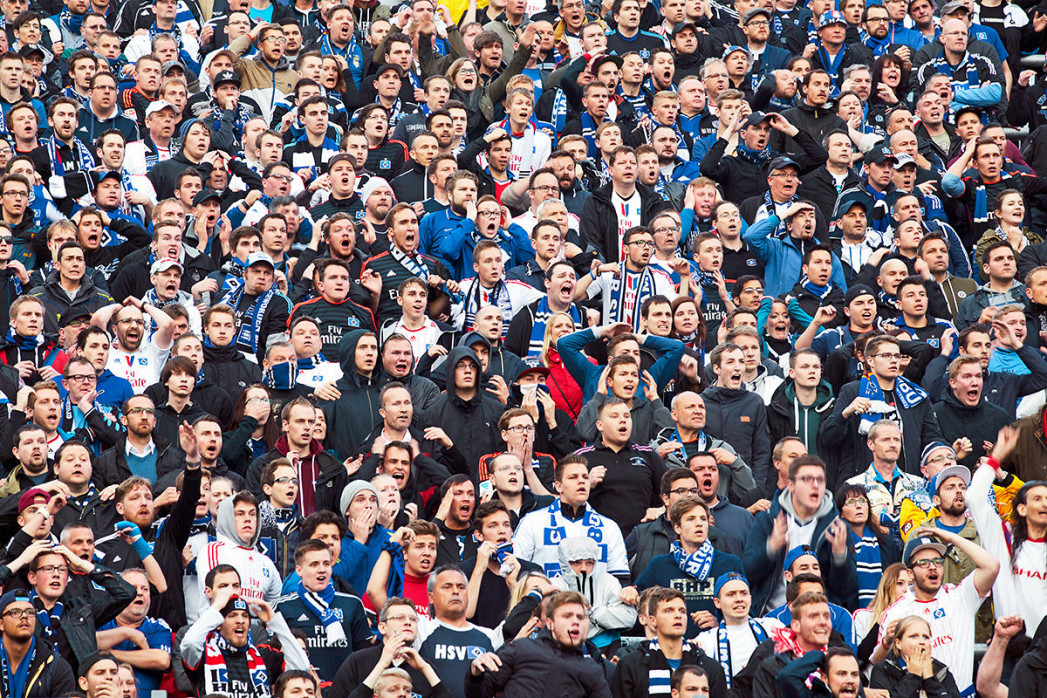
[
  {"x": 421, "y": 339},
  {"x": 951, "y": 617},
  {"x": 259, "y": 579},
  {"x": 142, "y": 368},
  {"x": 1022, "y": 584},
  {"x": 539, "y": 534}
]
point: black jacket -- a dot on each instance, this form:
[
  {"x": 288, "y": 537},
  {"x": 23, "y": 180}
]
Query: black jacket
[
  {"x": 110, "y": 468},
  {"x": 980, "y": 423},
  {"x": 888, "y": 674},
  {"x": 164, "y": 174},
  {"x": 632, "y": 676},
  {"x": 471, "y": 424},
  {"x": 819, "y": 187},
  {"x": 740, "y": 418},
  {"x": 540, "y": 668},
  {"x": 353, "y": 415},
  {"x": 816, "y": 122},
  {"x": 49, "y": 674},
  {"x": 1029, "y": 678},
  {"x": 742, "y": 179},
  {"x": 599, "y": 225},
  {"x": 81, "y": 617},
  {"x": 229, "y": 369},
  {"x": 132, "y": 276},
  {"x": 57, "y": 303},
  {"x": 206, "y": 394}
]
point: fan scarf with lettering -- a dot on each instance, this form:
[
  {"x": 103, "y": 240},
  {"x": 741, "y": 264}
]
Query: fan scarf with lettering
[
  {"x": 310, "y": 363},
  {"x": 251, "y": 330},
  {"x": 909, "y": 396},
  {"x": 559, "y": 111},
  {"x": 696, "y": 564},
  {"x": 234, "y": 275},
  {"x": 477, "y": 297},
  {"x": 219, "y": 673},
  {"x": 723, "y": 645},
  {"x": 411, "y": 262},
  {"x": 85, "y": 161},
  {"x": 541, "y": 316},
  {"x": 630, "y": 285},
  {"x": 319, "y": 604}
]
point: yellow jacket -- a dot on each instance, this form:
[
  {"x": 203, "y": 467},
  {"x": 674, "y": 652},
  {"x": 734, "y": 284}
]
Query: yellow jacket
[{"x": 918, "y": 507}]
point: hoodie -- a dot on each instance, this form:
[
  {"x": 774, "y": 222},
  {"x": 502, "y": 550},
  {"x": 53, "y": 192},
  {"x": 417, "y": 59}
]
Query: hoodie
[
  {"x": 787, "y": 417},
  {"x": 609, "y": 616},
  {"x": 259, "y": 578},
  {"x": 355, "y": 413},
  {"x": 471, "y": 424},
  {"x": 765, "y": 569}
]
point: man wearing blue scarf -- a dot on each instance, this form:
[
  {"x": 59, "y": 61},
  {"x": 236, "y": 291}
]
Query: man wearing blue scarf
[
  {"x": 261, "y": 310},
  {"x": 882, "y": 393},
  {"x": 23, "y": 655},
  {"x": 832, "y": 54},
  {"x": 334, "y": 623}
]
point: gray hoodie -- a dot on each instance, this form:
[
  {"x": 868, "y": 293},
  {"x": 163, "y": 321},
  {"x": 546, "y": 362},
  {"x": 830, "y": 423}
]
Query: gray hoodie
[{"x": 609, "y": 614}]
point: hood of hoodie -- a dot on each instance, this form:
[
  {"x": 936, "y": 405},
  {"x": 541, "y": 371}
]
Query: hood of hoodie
[
  {"x": 453, "y": 357},
  {"x": 954, "y": 403},
  {"x": 470, "y": 338},
  {"x": 225, "y": 525},
  {"x": 347, "y": 360},
  {"x": 785, "y": 501},
  {"x": 786, "y": 394},
  {"x": 573, "y": 549}
]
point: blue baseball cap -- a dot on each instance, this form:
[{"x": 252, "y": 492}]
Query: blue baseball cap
[
  {"x": 796, "y": 553},
  {"x": 728, "y": 577}
]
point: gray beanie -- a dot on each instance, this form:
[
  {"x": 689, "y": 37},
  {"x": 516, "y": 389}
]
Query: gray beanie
[{"x": 352, "y": 489}]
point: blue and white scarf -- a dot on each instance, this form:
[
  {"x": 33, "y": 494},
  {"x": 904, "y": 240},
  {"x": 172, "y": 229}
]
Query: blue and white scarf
[
  {"x": 541, "y": 315},
  {"x": 832, "y": 66},
  {"x": 15, "y": 682},
  {"x": 723, "y": 645},
  {"x": 756, "y": 157},
  {"x": 559, "y": 111},
  {"x": 659, "y": 673},
  {"x": 48, "y": 621},
  {"x": 909, "y": 396},
  {"x": 589, "y": 134},
  {"x": 964, "y": 75},
  {"x": 879, "y": 47},
  {"x": 819, "y": 292},
  {"x": 85, "y": 161},
  {"x": 499, "y": 296},
  {"x": 251, "y": 330},
  {"x": 697, "y": 564},
  {"x": 640, "y": 285},
  {"x": 281, "y": 376},
  {"x": 319, "y": 604}
]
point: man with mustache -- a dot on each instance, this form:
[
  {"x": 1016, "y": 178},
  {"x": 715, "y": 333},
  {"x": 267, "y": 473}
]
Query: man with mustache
[{"x": 133, "y": 357}]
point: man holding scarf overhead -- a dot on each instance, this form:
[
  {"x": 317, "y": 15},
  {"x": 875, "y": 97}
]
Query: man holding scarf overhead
[
  {"x": 261, "y": 311},
  {"x": 880, "y": 394},
  {"x": 624, "y": 286},
  {"x": 62, "y": 160}
]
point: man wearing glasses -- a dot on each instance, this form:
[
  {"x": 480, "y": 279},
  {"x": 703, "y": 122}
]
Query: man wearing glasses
[
  {"x": 881, "y": 394},
  {"x": 20, "y": 646},
  {"x": 267, "y": 77},
  {"x": 134, "y": 357},
  {"x": 81, "y": 415},
  {"x": 949, "y": 610}
]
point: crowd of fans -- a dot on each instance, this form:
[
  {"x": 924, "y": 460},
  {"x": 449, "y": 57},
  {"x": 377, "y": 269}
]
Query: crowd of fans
[{"x": 523, "y": 348}]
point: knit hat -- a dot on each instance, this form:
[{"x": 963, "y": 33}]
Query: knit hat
[
  {"x": 354, "y": 488},
  {"x": 371, "y": 186},
  {"x": 857, "y": 291}
]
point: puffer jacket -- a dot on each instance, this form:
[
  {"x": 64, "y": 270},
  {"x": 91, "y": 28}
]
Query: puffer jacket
[{"x": 609, "y": 615}]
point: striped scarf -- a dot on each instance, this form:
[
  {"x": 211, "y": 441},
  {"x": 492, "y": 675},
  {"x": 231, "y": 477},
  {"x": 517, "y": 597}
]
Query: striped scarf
[
  {"x": 219, "y": 674},
  {"x": 659, "y": 672},
  {"x": 869, "y": 565},
  {"x": 723, "y": 646},
  {"x": 627, "y": 293},
  {"x": 477, "y": 297},
  {"x": 48, "y": 620},
  {"x": 251, "y": 330},
  {"x": 541, "y": 316}
]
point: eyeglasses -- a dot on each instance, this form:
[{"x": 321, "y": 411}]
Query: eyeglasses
[
  {"x": 521, "y": 428},
  {"x": 759, "y": 23},
  {"x": 19, "y": 613},
  {"x": 546, "y": 187},
  {"x": 286, "y": 481},
  {"x": 257, "y": 400},
  {"x": 16, "y": 193},
  {"x": 889, "y": 357},
  {"x": 131, "y": 321},
  {"x": 145, "y": 411},
  {"x": 854, "y": 501},
  {"x": 82, "y": 377},
  {"x": 643, "y": 243},
  {"x": 929, "y": 562},
  {"x": 754, "y": 290},
  {"x": 680, "y": 491},
  {"x": 402, "y": 619},
  {"x": 51, "y": 569},
  {"x": 716, "y": 75},
  {"x": 786, "y": 175},
  {"x": 7, "y": 240},
  {"x": 811, "y": 479},
  {"x": 877, "y": 20},
  {"x": 286, "y": 179},
  {"x": 278, "y": 40},
  {"x": 489, "y": 214},
  {"x": 666, "y": 230}
]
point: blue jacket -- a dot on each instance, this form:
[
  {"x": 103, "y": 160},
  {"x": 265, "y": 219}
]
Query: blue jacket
[
  {"x": 782, "y": 258},
  {"x": 764, "y": 572},
  {"x": 435, "y": 228},
  {"x": 668, "y": 352}
]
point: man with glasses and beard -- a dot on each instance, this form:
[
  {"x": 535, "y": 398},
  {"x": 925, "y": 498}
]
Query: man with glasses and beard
[{"x": 135, "y": 358}]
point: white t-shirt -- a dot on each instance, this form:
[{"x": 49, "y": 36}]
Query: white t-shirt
[
  {"x": 142, "y": 368},
  {"x": 951, "y": 617},
  {"x": 628, "y": 212},
  {"x": 740, "y": 640}
]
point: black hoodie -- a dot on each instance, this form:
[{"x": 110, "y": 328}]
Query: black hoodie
[
  {"x": 471, "y": 424},
  {"x": 351, "y": 417}
]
